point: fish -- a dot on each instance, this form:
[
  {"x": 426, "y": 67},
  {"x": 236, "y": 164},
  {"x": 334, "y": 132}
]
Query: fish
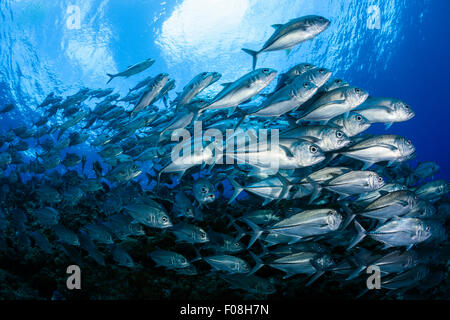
[
  {"x": 199, "y": 83},
  {"x": 152, "y": 91},
  {"x": 242, "y": 90},
  {"x": 289, "y": 76},
  {"x": 327, "y": 138},
  {"x": 304, "y": 224},
  {"x": 132, "y": 70},
  {"x": 169, "y": 259},
  {"x": 355, "y": 182},
  {"x": 390, "y": 148},
  {"x": 391, "y": 205},
  {"x": 189, "y": 233},
  {"x": 290, "y": 34},
  {"x": 332, "y": 104},
  {"x": 385, "y": 110},
  {"x": 397, "y": 232},
  {"x": 148, "y": 215},
  {"x": 203, "y": 191}
]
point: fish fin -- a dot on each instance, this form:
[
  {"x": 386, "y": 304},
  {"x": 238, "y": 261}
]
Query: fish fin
[
  {"x": 288, "y": 51},
  {"x": 231, "y": 111},
  {"x": 355, "y": 273},
  {"x": 287, "y": 275},
  {"x": 316, "y": 192},
  {"x": 266, "y": 202},
  {"x": 258, "y": 263},
  {"x": 287, "y": 150},
  {"x": 346, "y": 115},
  {"x": 367, "y": 165},
  {"x": 240, "y": 232},
  {"x": 315, "y": 277},
  {"x": 294, "y": 239},
  {"x": 111, "y": 76},
  {"x": 226, "y": 84},
  {"x": 387, "y": 125},
  {"x": 276, "y": 26},
  {"x": 409, "y": 247},
  {"x": 285, "y": 182},
  {"x": 237, "y": 189},
  {"x": 361, "y": 235},
  {"x": 257, "y": 231},
  {"x": 254, "y": 55},
  {"x": 342, "y": 196},
  {"x": 350, "y": 215},
  {"x": 309, "y": 139}
]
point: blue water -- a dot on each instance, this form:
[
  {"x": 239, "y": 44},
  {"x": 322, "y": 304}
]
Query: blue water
[{"x": 401, "y": 52}]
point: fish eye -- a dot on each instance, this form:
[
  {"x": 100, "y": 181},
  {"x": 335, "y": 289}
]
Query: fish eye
[
  {"x": 338, "y": 81},
  {"x": 380, "y": 179},
  {"x": 359, "y": 118},
  {"x": 306, "y": 85},
  {"x": 313, "y": 149},
  {"x": 357, "y": 90},
  {"x": 164, "y": 219},
  {"x": 339, "y": 134},
  {"x": 203, "y": 235},
  {"x": 408, "y": 142},
  {"x": 266, "y": 70},
  {"x": 204, "y": 73},
  {"x": 427, "y": 228},
  {"x": 322, "y": 71}
]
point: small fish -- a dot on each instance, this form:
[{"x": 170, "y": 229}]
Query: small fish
[
  {"x": 288, "y": 35},
  {"x": 132, "y": 70}
]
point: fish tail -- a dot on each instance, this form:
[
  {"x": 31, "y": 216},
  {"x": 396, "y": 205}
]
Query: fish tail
[
  {"x": 254, "y": 55},
  {"x": 111, "y": 76},
  {"x": 237, "y": 189},
  {"x": 316, "y": 276},
  {"x": 257, "y": 231},
  {"x": 361, "y": 235},
  {"x": 198, "y": 256},
  {"x": 350, "y": 215},
  {"x": 258, "y": 263}
]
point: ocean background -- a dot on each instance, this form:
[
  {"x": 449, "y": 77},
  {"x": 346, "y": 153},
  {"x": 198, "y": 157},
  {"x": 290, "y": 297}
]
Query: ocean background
[{"x": 395, "y": 48}]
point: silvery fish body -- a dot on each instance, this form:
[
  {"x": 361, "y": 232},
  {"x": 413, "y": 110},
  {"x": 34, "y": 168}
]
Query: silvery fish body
[
  {"x": 326, "y": 137},
  {"x": 195, "y": 86},
  {"x": 401, "y": 232},
  {"x": 242, "y": 89},
  {"x": 227, "y": 263},
  {"x": 169, "y": 259},
  {"x": 308, "y": 223},
  {"x": 394, "y": 204},
  {"x": 286, "y": 99},
  {"x": 355, "y": 182},
  {"x": 390, "y": 148},
  {"x": 351, "y": 124},
  {"x": 333, "y": 104},
  {"x": 387, "y": 110}
]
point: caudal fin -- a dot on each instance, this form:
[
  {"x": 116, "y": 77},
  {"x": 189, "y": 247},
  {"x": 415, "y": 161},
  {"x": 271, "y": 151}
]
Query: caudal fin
[
  {"x": 254, "y": 55},
  {"x": 361, "y": 234},
  {"x": 257, "y": 231},
  {"x": 111, "y": 76},
  {"x": 258, "y": 263},
  {"x": 237, "y": 189}
]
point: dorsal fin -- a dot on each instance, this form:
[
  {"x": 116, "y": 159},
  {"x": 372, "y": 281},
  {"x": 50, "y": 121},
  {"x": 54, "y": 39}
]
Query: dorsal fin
[{"x": 276, "y": 26}]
